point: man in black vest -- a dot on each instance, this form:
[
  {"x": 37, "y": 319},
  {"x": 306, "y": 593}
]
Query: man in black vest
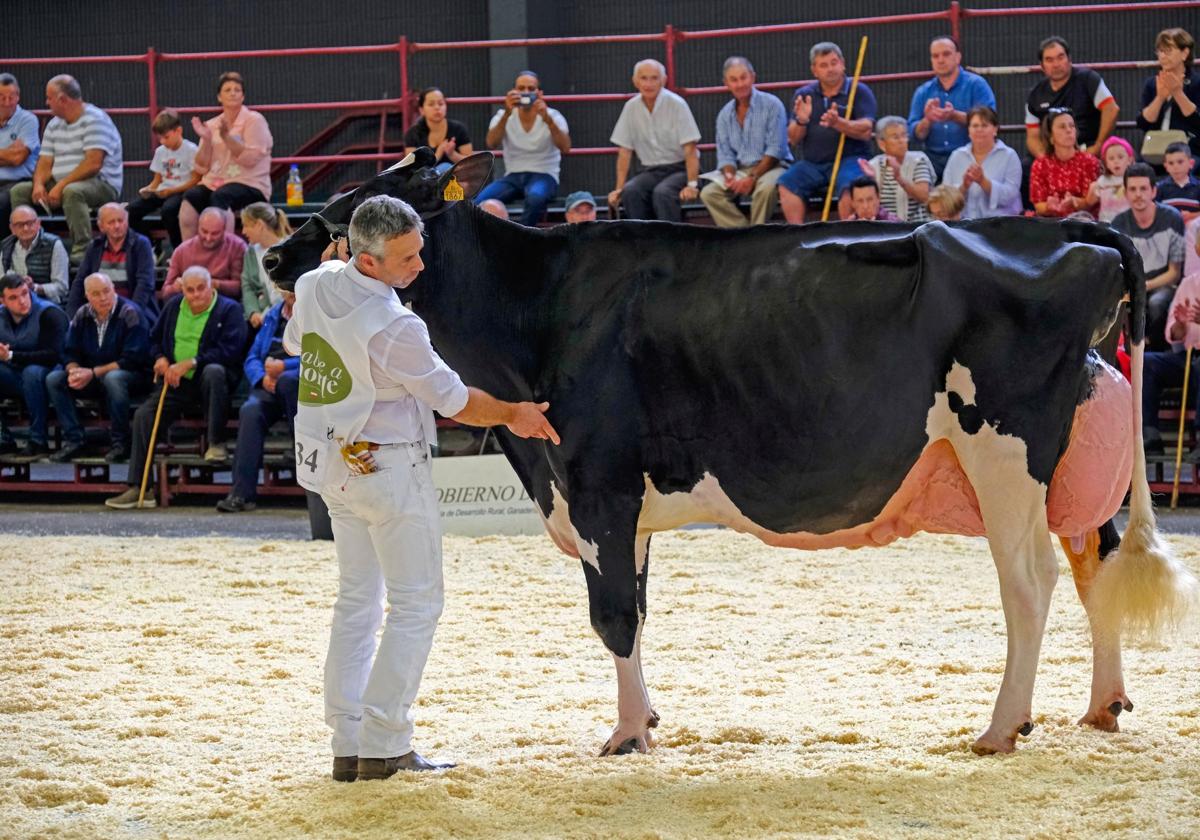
[
  {"x": 32, "y": 333},
  {"x": 39, "y": 256}
]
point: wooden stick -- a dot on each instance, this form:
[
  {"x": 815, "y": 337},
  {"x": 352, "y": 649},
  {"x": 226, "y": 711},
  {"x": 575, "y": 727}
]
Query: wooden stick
[
  {"x": 1183, "y": 404},
  {"x": 153, "y": 436},
  {"x": 837, "y": 159}
]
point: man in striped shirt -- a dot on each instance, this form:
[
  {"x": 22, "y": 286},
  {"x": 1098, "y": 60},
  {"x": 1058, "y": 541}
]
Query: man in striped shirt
[{"x": 80, "y": 164}]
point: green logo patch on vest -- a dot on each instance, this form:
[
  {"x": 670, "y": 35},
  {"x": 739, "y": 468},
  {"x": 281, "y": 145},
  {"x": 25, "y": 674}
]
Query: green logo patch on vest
[{"x": 324, "y": 379}]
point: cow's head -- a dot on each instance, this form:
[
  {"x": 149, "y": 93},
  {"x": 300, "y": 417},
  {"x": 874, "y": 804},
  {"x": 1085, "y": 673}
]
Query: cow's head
[{"x": 413, "y": 179}]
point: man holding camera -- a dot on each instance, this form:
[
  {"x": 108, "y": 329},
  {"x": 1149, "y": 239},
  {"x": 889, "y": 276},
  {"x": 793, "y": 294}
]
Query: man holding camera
[{"x": 533, "y": 145}]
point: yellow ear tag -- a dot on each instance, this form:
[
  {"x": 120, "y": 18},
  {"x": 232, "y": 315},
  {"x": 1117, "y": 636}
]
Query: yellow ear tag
[{"x": 453, "y": 191}]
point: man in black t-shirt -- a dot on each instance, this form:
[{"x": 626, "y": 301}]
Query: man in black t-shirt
[{"x": 1078, "y": 89}]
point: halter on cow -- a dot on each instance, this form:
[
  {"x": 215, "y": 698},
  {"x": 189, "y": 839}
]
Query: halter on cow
[{"x": 817, "y": 386}]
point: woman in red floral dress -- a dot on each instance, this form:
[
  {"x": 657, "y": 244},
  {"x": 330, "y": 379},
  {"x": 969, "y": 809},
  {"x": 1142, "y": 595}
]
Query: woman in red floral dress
[{"x": 1059, "y": 181}]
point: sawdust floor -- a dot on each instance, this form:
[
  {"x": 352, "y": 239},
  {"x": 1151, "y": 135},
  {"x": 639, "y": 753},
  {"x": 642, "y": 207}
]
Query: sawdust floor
[{"x": 171, "y": 688}]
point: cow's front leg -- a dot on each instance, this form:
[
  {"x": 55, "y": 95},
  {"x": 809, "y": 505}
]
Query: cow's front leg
[
  {"x": 1108, "y": 682},
  {"x": 616, "y": 577}
]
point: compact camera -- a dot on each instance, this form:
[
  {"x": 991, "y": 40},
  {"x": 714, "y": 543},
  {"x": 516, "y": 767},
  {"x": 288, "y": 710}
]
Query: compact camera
[{"x": 527, "y": 99}]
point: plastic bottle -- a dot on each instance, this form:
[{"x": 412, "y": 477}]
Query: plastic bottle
[{"x": 295, "y": 187}]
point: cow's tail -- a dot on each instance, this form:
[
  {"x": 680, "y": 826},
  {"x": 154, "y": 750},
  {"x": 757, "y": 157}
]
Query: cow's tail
[{"x": 1143, "y": 589}]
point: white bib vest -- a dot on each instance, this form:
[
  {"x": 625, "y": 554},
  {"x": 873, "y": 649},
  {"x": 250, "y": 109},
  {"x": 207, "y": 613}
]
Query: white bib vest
[{"x": 337, "y": 393}]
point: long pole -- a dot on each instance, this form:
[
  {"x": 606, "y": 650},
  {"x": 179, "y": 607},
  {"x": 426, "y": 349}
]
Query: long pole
[
  {"x": 153, "y": 436},
  {"x": 837, "y": 160},
  {"x": 1183, "y": 404}
]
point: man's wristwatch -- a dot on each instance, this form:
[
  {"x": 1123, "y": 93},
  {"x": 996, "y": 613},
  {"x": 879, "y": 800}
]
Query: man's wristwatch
[{"x": 693, "y": 184}]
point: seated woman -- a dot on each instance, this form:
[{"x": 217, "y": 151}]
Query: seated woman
[
  {"x": 449, "y": 139},
  {"x": 234, "y": 158},
  {"x": 1171, "y": 97},
  {"x": 986, "y": 170},
  {"x": 904, "y": 177},
  {"x": 1059, "y": 182},
  {"x": 263, "y": 226}
]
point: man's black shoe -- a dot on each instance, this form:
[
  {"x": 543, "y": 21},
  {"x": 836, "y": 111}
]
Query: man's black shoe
[
  {"x": 234, "y": 504},
  {"x": 30, "y": 449},
  {"x": 68, "y": 452},
  {"x": 117, "y": 454},
  {"x": 345, "y": 768}
]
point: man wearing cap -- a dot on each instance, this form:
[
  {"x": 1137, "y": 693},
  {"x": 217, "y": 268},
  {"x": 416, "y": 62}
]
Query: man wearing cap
[
  {"x": 581, "y": 207},
  {"x": 659, "y": 127}
]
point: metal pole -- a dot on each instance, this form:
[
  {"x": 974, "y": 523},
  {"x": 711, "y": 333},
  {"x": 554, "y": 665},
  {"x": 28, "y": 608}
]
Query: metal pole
[
  {"x": 404, "y": 95},
  {"x": 152, "y": 90},
  {"x": 1183, "y": 404},
  {"x": 955, "y": 21},
  {"x": 669, "y": 37}
]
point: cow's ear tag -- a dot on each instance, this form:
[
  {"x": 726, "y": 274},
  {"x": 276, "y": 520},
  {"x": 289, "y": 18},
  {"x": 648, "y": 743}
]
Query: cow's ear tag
[{"x": 453, "y": 190}]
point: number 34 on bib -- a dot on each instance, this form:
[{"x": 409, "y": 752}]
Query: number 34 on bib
[{"x": 312, "y": 461}]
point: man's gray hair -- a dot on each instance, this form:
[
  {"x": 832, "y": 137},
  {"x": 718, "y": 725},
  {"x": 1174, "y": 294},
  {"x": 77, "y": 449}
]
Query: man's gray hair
[
  {"x": 736, "y": 61},
  {"x": 653, "y": 62},
  {"x": 824, "y": 48},
  {"x": 213, "y": 211},
  {"x": 196, "y": 271},
  {"x": 67, "y": 86},
  {"x": 102, "y": 277},
  {"x": 884, "y": 123},
  {"x": 9, "y": 80},
  {"x": 379, "y": 219}
]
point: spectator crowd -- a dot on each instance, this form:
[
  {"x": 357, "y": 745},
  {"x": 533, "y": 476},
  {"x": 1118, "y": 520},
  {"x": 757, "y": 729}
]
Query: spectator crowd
[{"x": 86, "y": 317}]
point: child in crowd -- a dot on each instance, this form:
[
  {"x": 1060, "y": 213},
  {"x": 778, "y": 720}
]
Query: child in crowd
[
  {"x": 1109, "y": 189},
  {"x": 1180, "y": 189},
  {"x": 173, "y": 176},
  {"x": 946, "y": 203}
]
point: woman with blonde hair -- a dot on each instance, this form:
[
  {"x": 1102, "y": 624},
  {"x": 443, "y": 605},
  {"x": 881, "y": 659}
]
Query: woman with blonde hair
[{"x": 263, "y": 225}]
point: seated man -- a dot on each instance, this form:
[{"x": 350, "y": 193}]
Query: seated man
[
  {"x": 751, "y": 145},
  {"x": 19, "y": 141},
  {"x": 938, "y": 113},
  {"x": 197, "y": 346},
  {"x": 37, "y": 255},
  {"x": 274, "y": 378},
  {"x": 220, "y": 253},
  {"x": 107, "y": 355},
  {"x": 1165, "y": 369},
  {"x": 864, "y": 199},
  {"x": 124, "y": 256},
  {"x": 818, "y": 125},
  {"x": 533, "y": 145},
  {"x": 1157, "y": 233},
  {"x": 80, "y": 162},
  {"x": 659, "y": 127},
  {"x": 32, "y": 332},
  {"x": 581, "y": 207}
]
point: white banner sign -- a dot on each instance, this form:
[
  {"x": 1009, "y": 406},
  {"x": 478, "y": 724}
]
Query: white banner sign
[{"x": 480, "y": 494}]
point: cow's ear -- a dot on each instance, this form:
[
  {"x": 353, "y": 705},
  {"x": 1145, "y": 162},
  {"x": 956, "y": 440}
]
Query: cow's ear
[
  {"x": 471, "y": 173},
  {"x": 424, "y": 156}
]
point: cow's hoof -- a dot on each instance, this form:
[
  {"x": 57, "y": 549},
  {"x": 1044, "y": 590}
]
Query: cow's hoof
[
  {"x": 621, "y": 742},
  {"x": 1105, "y": 719},
  {"x": 990, "y": 744}
]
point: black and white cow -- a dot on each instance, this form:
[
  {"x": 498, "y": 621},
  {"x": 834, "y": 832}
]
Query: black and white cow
[{"x": 826, "y": 385}]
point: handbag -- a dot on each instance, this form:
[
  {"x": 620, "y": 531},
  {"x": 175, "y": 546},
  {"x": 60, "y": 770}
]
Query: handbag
[{"x": 1154, "y": 144}]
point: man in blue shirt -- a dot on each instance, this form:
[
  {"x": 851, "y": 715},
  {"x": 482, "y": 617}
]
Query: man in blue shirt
[
  {"x": 938, "y": 114},
  {"x": 751, "y": 145},
  {"x": 818, "y": 123},
  {"x": 19, "y": 142}
]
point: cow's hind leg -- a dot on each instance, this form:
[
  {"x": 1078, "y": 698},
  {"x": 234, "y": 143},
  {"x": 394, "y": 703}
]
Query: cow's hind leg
[
  {"x": 616, "y": 565},
  {"x": 1108, "y": 682}
]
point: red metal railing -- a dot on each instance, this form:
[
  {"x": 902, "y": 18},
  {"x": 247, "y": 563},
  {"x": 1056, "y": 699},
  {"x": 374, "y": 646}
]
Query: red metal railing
[{"x": 671, "y": 38}]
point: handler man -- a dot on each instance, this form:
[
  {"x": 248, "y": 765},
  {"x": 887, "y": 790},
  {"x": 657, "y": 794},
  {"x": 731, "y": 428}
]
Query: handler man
[{"x": 369, "y": 379}]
